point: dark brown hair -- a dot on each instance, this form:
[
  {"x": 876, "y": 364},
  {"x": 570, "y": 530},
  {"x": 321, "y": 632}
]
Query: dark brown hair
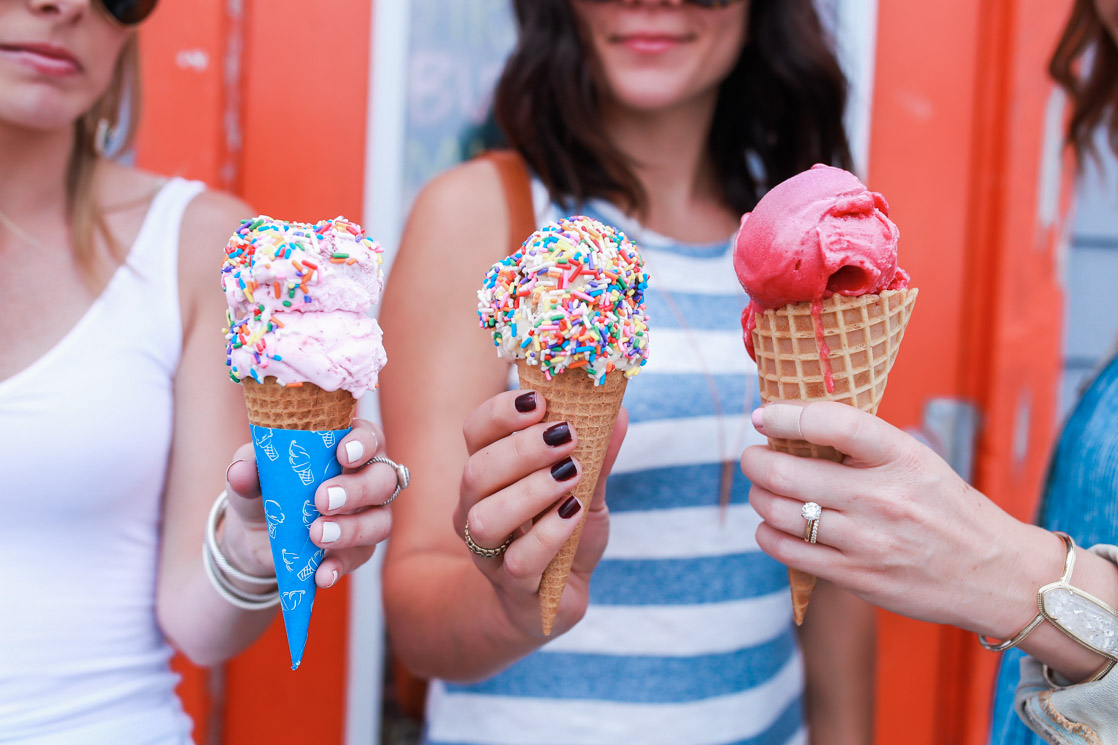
[
  {"x": 779, "y": 111},
  {"x": 1093, "y": 91}
]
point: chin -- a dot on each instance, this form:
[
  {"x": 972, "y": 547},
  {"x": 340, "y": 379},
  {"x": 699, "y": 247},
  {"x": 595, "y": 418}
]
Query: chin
[
  {"x": 42, "y": 116},
  {"x": 651, "y": 92}
]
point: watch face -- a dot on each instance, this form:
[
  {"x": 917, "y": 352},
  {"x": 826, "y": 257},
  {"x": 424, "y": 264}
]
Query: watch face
[{"x": 1083, "y": 617}]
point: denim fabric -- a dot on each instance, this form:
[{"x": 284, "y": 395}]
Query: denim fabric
[{"x": 1080, "y": 500}]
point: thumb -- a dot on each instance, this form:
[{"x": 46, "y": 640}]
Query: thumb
[
  {"x": 620, "y": 427},
  {"x": 242, "y": 486}
]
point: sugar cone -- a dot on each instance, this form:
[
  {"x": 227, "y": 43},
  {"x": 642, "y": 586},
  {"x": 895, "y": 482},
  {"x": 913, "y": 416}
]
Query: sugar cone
[
  {"x": 591, "y": 410},
  {"x": 303, "y": 406},
  {"x": 295, "y": 432},
  {"x": 863, "y": 335}
]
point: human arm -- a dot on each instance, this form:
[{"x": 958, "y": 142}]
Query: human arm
[
  {"x": 209, "y": 424},
  {"x": 838, "y": 642},
  {"x": 903, "y": 531},
  {"x": 452, "y": 614}
]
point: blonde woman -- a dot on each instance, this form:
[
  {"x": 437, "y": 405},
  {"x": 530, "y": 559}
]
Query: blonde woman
[{"x": 117, "y": 419}]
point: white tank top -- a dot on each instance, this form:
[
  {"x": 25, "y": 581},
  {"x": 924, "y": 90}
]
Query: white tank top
[{"x": 82, "y": 659}]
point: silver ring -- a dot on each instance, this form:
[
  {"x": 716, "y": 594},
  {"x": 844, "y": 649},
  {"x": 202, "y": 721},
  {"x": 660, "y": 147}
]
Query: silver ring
[
  {"x": 488, "y": 553},
  {"x": 812, "y": 512},
  {"x": 403, "y": 476}
]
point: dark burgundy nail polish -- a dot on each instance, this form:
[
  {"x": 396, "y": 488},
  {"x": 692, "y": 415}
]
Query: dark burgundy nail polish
[
  {"x": 526, "y": 402},
  {"x": 557, "y": 434},
  {"x": 564, "y": 470},
  {"x": 569, "y": 508}
]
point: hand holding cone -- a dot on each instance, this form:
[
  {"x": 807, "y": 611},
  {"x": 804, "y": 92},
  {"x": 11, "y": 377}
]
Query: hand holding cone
[
  {"x": 568, "y": 307},
  {"x": 300, "y": 340},
  {"x": 828, "y": 303},
  {"x": 863, "y": 336},
  {"x": 591, "y": 410}
]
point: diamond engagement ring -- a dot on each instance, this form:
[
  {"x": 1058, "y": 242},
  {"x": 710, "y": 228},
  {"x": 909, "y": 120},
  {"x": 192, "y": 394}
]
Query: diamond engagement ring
[{"x": 811, "y": 511}]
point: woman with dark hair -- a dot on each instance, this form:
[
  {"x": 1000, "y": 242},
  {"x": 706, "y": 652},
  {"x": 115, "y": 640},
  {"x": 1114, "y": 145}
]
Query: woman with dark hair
[
  {"x": 667, "y": 119},
  {"x": 902, "y": 530},
  {"x": 117, "y": 418}
]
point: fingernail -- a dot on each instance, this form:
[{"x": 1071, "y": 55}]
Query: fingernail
[
  {"x": 330, "y": 532},
  {"x": 569, "y": 508},
  {"x": 335, "y": 497},
  {"x": 333, "y": 579},
  {"x": 526, "y": 402},
  {"x": 557, "y": 434},
  {"x": 230, "y": 468},
  {"x": 564, "y": 470},
  {"x": 354, "y": 451},
  {"x": 758, "y": 419}
]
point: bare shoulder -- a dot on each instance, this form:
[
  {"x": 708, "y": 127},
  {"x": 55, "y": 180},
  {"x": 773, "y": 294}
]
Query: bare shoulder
[
  {"x": 464, "y": 207},
  {"x": 213, "y": 214},
  {"x": 209, "y": 220},
  {"x": 472, "y": 187}
]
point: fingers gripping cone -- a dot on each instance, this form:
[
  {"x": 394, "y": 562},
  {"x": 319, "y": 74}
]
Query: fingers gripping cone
[
  {"x": 293, "y": 458},
  {"x": 591, "y": 410},
  {"x": 855, "y": 341},
  {"x": 568, "y": 307}
]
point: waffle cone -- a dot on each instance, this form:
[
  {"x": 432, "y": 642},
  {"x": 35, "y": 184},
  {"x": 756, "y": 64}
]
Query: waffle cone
[
  {"x": 863, "y": 335},
  {"x": 591, "y": 410},
  {"x": 303, "y": 406}
]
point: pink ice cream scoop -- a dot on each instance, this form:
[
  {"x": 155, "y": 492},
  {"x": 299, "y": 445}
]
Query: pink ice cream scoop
[
  {"x": 299, "y": 297},
  {"x": 819, "y": 233}
]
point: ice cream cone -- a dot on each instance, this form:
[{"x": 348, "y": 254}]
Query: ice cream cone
[
  {"x": 300, "y": 339},
  {"x": 862, "y": 335},
  {"x": 303, "y": 406},
  {"x": 591, "y": 410},
  {"x": 288, "y": 422}
]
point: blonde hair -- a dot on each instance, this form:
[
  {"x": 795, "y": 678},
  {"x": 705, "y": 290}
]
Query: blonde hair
[{"x": 87, "y": 215}]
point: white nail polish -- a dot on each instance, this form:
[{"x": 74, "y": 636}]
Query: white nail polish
[
  {"x": 330, "y": 532},
  {"x": 335, "y": 497},
  {"x": 334, "y": 579},
  {"x": 354, "y": 450}
]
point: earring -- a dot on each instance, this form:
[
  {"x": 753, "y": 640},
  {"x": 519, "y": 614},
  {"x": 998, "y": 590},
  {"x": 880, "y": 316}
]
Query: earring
[{"x": 101, "y": 136}]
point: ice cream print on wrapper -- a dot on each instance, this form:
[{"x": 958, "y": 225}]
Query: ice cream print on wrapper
[
  {"x": 828, "y": 303},
  {"x": 568, "y": 309},
  {"x": 300, "y": 340}
]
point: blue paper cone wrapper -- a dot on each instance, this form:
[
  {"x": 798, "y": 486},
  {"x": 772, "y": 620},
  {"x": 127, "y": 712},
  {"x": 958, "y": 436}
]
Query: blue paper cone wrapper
[{"x": 292, "y": 463}]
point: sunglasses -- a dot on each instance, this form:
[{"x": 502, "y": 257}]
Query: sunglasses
[
  {"x": 128, "y": 12},
  {"x": 700, "y": 3}
]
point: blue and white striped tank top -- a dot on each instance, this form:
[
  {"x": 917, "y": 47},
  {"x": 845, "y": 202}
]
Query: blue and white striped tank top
[{"x": 688, "y": 638}]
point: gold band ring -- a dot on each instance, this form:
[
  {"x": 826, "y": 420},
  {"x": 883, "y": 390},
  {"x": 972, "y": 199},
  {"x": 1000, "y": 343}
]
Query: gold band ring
[{"x": 488, "y": 553}]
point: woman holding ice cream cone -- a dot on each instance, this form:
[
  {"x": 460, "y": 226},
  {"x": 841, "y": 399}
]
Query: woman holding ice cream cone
[
  {"x": 900, "y": 528},
  {"x": 117, "y": 418},
  {"x": 653, "y": 117}
]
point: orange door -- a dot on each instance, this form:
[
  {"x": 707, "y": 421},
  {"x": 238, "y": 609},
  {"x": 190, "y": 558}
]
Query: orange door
[{"x": 962, "y": 119}]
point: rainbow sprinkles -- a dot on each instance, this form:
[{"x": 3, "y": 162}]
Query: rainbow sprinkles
[
  {"x": 275, "y": 272},
  {"x": 572, "y": 297}
]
